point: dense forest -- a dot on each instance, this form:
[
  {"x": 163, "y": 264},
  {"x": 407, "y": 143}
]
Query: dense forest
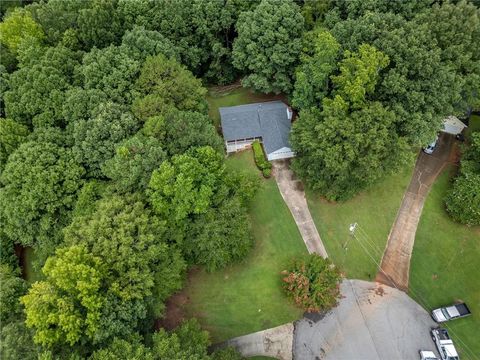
[{"x": 112, "y": 170}]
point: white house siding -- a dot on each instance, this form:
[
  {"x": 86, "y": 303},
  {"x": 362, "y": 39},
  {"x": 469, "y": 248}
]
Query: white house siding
[
  {"x": 283, "y": 153},
  {"x": 238, "y": 145}
]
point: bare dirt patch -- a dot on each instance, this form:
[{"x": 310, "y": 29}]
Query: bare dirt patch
[{"x": 175, "y": 307}]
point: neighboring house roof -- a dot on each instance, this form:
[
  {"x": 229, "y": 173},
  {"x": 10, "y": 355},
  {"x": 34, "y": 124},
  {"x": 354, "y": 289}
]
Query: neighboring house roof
[
  {"x": 453, "y": 125},
  {"x": 268, "y": 120}
]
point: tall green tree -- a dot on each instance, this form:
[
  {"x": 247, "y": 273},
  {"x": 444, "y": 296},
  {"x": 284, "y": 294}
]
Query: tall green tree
[
  {"x": 132, "y": 244},
  {"x": 37, "y": 90},
  {"x": 456, "y": 29},
  {"x": 40, "y": 183},
  {"x": 112, "y": 71},
  {"x": 133, "y": 163},
  {"x": 13, "y": 286},
  {"x": 66, "y": 307},
  {"x": 95, "y": 139},
  {"x": 188, "y": 184},
  {"x": 17, "y": 26},
  {"x": 318, "y": 62},
  {"x": 181, "y": 130},
  {"x": 463, "y": 199},
  {"x": 340, "y": 152},
  {"x": 268, "y": 45},
  {"x": 12, "y": 134},
  {"x": 164, "y": 83}
]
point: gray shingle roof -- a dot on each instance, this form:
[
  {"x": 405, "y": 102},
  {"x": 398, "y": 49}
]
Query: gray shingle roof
[{"x": 268, "y": 120}]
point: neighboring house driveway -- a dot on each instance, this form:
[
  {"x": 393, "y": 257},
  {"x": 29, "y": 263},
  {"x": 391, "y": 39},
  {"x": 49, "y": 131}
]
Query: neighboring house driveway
[
  {"x": 372, "y": 321},
  {"x": 294, "y": 196},
  {"x": 395, "y": 264}
]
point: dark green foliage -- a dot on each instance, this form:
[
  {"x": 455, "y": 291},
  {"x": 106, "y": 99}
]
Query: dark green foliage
[
  {"x": 134, "y": 162},
  {"x": 188, "y": 184},
  {"x": 463, "y": 199},
  {"x": 201, "y": 30},
  {"x": 95, "y": 139},
  {"x": 205, "y": 212},
  {"x": 140, "y": 44},
  {"x": 456, "y": 29},
  {"x": 40, "y": 182},
  {"x": 228, "y": 353},
  {"x": 340, "y": 153},
  {"x": 13, "y": 286},
  {"x": 100, "y": 24},
  {"x": 262, "y": 163},
  {"x": 164, "y": 83},
  {"x": 112, "y": 71},
  {"x": 188, "y": 341},
  {"x": 181, "y": 130},
  {"x": 17, "y": 342},
  {"x": 268, "y": 45},
  {"x": 312, "y": 283},
  {"x": 113, "y": 260},
  {"x": 318, "y": 62},
  {"x": 37, "y": 90},
  {"x": 219, "y": 236},
  {"x": 81, "y": 104},
  {"x": 12, "y": 134}
]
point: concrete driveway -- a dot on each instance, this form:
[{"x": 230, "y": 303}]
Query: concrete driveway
[
  {"x": 371, "y": 322},
  {"x": 293, "y": 194},
  {"x": 395, "y": 264}
]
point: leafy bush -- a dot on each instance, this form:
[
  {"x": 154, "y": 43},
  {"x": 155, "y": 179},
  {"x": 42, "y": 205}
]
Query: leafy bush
[
  {"x": 260, "y": 160},
  {"x": 312, "y": 282},
  {"x": 463, "y": 199}
]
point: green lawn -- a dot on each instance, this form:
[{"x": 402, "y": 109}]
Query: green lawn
[
  {"x": 247, "y": 297},
  {"x": 374, "y": 210},
  {"x": 217, "y": 98},
  {"x": 445, "y": 266}
]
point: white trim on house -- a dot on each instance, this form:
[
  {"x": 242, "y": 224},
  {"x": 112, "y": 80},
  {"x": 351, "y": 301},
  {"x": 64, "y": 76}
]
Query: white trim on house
[{"x": 283, "y": 153}]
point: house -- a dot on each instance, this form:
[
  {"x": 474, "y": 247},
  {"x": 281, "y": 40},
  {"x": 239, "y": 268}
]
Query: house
[
  {"x": 452, "y": 125},
  {"x": 268, "y": 122}
]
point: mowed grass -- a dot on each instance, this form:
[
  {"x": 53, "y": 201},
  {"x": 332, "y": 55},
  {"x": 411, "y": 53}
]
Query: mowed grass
[
  {"x": 217, "y": 98},
  {"x": 373, "y": 210},
  {"x": 445, "y": 266},
  {"x": 247, "y": 296}
]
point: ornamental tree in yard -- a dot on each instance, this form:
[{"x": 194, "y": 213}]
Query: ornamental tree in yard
[
  {"x": 268, "y": 45},
  {"x": 312, "y": 282}
]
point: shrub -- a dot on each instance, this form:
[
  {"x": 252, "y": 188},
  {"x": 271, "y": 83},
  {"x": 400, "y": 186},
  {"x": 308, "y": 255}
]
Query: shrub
[
  {"x": 312, "y": 282},
  {"x": 262, "y": 163}
]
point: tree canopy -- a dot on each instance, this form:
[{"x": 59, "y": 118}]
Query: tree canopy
[{"x": 268, "y": 44}]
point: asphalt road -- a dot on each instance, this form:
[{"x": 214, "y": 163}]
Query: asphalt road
[{"x": 371, "y": 322}]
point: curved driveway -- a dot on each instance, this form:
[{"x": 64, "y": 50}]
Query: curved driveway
[{"x": 395, "y": 264}]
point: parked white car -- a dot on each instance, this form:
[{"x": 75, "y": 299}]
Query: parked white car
[
  {"x": 451, "y": 312},
  {"x": 430, "y": 148},
  {"x": 444, "y": 344},
  {"x": 427, "y": 355}
]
